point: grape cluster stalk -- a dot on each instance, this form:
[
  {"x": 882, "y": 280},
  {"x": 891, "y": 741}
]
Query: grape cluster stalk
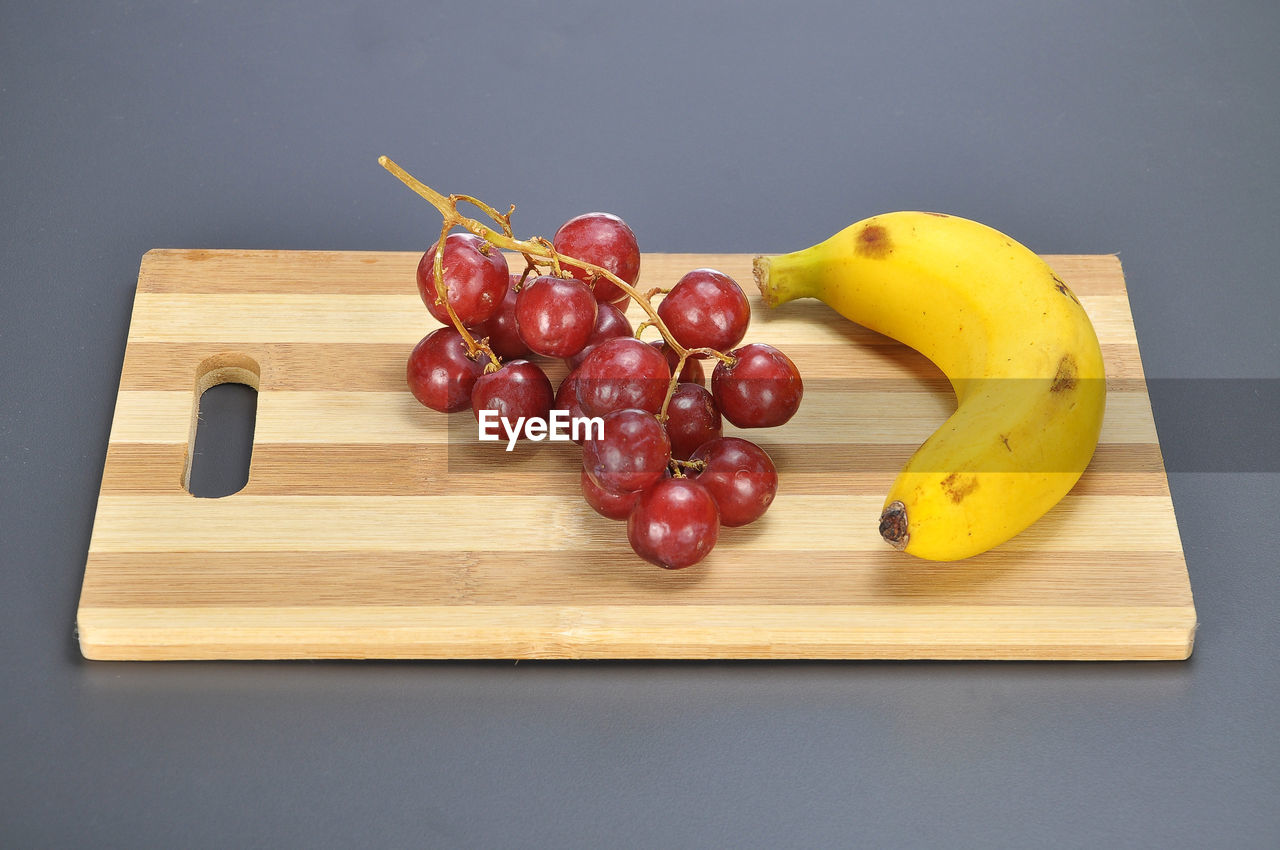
[
  {"x": 661, "y": 462},
  {"x": 537, "y": 253}
]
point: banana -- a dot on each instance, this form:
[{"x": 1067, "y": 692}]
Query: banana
[{"x": 1012, "y": 338}]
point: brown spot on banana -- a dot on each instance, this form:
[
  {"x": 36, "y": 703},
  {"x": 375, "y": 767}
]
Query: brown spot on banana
[
  {"x": 1062, "y": 287},
  {"x": 873, "y": 242},
  {"x": 1065, "y": 379},
  {"x": 957, "y": 486}
]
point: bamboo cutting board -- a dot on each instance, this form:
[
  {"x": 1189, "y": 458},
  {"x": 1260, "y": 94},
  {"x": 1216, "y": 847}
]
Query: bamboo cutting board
[{"x": 372, "y": 527}]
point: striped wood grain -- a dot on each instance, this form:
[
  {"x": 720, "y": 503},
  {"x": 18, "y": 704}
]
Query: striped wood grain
[{"x": 361, "y": 534}]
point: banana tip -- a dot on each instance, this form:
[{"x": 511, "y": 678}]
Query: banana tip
[{"x": 893, "y": 525}]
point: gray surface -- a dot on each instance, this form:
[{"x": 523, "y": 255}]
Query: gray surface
[{"x": 1148, "y": 129}]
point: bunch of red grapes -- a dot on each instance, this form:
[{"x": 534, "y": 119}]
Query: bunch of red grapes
[{"x": 662, "y": 463}]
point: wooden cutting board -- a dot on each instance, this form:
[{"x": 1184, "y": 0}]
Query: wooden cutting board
[{"x": 372, "y": 527}]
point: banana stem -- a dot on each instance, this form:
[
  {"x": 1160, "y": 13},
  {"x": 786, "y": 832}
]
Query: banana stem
[{"x": 761, "y": 269}]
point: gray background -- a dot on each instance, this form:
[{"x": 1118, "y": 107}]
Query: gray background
[{"x": 1145, "y": 128}]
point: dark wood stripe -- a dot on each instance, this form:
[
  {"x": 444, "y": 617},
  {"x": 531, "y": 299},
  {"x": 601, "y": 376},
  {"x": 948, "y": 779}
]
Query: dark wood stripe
[
  {"x": 615, "y": 576},
  {"x": 199, "y": 271},
  {"x": 416, "y": 470},
  {"x": 195, "y": 271},
  {"x": 380, "y": 367},
  {"x": 286, "y": 366}
]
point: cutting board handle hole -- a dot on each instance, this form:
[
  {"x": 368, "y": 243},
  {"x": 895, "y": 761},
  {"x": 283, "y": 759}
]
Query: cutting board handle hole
[{"x": 223, "y": 415}]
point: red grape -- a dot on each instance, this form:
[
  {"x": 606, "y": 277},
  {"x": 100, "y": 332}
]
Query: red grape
[
  {"x": 475, "y": 275},
  {"x": 675, "y": 524},
  {"x": 610, "y": 322},
  {"x": 632, "y": 454},
  {"x": 518, "y": 389},
  {"x": 500, "y": 328},
  {"x": 555, "y": 315},
  {"x": 692, "y": 419},
  {"x": 567, "y": 399},
  {"x": 603, "y": 240},
  {"x": 622, "y": 373},
  {"x": 706, "y": 309},
  {"x": 740, "y": 476},
  {"x": 692, "y": 373},
  {"x": 761, "y": 390},
  {"x": 606, "y": 502},
  {"x": 439, "y": 372}
]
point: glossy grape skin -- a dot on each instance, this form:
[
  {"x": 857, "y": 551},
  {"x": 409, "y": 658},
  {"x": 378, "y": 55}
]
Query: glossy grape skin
[
  {"x": 567, "y": 399},
  {"x": 555, "y": 315},
  {"x": 675, "y": 524},
  {"x": 692, "y": 373},
  {"x": 603, "y": 240},
  {"x": 692, "y": 419},
  {"x": 622, "y": 373},
  {"x": 475, "y": 274},
  {"x": 706, "y": 309},
  {"x": 632, "y": 454},
  {"x": 761, "y": 390},
  {"x": 607, "y": 503},
  {"x": 740, "y": 476},
  {"x": 500, "y": 328},
  {"x": 518, "y": 389},
  {"x": 439, "y": 372},
  {"x": 610, "y": 323}
]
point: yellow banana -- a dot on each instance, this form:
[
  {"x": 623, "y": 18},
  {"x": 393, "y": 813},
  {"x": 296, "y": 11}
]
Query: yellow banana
[{"x": 1019, "y": 350}]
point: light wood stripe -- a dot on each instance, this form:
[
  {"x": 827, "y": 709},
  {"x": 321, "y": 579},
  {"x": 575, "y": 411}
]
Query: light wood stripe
[
  {"x": 393, "y": 272},
  {"x": 825, "y": 416},
  {"x": 138, "y": 522},
  {"x": 652, "y": 631},
  {"x": 416, "y": 469},
  {"x": 613, "y": 576}
]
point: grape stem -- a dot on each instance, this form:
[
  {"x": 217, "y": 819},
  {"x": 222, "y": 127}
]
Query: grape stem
[
  {"x": 474, "y": 348},
  {"x": 537, "y": 251},
  {"x": 678, "y": 466}
]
